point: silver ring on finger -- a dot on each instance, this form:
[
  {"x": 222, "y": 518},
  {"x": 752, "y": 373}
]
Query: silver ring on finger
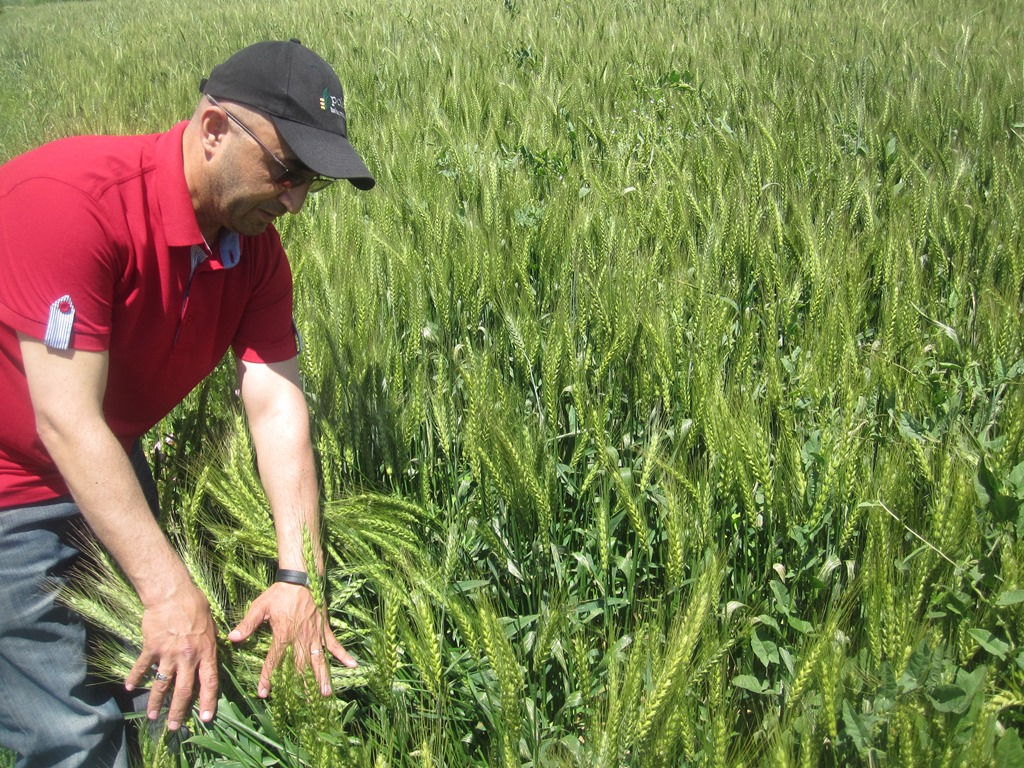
[
  {"x": 316, "y": 651},
  {"x": 161, "y": 676}
]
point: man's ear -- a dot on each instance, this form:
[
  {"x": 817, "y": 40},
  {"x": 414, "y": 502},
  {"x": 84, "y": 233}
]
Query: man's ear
[{"x": 213, "y": 127}]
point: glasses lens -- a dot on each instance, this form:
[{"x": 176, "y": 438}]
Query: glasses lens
[
  {"x": 292, "y": 179},
  {"x": 319, "y": 183}
]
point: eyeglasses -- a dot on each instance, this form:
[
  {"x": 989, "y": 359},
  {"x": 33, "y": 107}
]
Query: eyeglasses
[{"x": 289, "y": 178}]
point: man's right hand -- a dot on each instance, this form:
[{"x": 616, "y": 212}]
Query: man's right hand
[{"x": 179, "y": 647}]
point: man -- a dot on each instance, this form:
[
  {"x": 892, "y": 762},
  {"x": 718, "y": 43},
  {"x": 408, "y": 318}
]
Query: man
[{"x": 128, "y": 266}]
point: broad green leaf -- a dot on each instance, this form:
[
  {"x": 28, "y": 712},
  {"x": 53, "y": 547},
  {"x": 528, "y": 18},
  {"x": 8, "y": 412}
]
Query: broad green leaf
[
  {"x": 887, "y": 690},
  {"x": 1011, "y": 597},
  {"x": 972, "y": 681},
  {"x": 1016, "y": 480},
  {"x": 985, "y": 485},
  {"x": 949, "y": 698},
  {"x": 918, "y": 669},
  {"x": 787, "y": 659},
  {"x": 765, "y": 650},
  {"x": 989, "y": 642},
  {"x": 810, "y": 451},
  {"x": 858, "y": 727},
  {"x": 801, "y": 626},
  {"x": 1001, "y": 507},
  {"x": 749, "y": 683},
  {"x": 782, "y": 597},
  {"x": 907, "y": 429},
  {"x": 1009, "y": 751}
]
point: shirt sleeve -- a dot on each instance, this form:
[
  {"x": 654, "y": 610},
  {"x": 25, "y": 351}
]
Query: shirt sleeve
[
  {"x": 54, "y": 243},
  {"x": 266, "y": 333}
]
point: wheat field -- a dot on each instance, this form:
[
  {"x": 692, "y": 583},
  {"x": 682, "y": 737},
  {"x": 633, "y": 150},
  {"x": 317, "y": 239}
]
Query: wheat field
[{"x": 666, "y": 390}]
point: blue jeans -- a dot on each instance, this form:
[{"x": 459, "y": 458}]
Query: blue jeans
[{"x": 53, "y": 712}]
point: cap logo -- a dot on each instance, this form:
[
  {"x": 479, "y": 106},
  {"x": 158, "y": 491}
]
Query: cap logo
[{"x": 334, "y": 104}]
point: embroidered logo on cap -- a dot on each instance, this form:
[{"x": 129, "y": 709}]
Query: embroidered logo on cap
[
  {"x": 334, "y": 104},
  {"x": 58, "y": 326}
]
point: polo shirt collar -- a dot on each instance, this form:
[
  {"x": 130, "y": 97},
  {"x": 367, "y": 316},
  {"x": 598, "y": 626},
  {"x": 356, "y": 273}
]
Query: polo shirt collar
[{"x": 179, "y": 218}]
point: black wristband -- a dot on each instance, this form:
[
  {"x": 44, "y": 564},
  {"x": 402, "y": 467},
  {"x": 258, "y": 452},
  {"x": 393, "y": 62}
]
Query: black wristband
[{"x": 292, "y": 577}]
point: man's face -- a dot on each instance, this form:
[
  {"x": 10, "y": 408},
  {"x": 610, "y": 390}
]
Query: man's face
[{"x": 246, "y": 195}]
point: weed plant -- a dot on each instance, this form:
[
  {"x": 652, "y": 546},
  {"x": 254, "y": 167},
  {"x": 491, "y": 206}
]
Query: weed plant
[{"x": 666, "y": 390}]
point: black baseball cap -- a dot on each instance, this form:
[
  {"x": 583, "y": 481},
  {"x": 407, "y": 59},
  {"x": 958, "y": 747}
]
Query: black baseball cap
[{"x": 302, "y": 96}]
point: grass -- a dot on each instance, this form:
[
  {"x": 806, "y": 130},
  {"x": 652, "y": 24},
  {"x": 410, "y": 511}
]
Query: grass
[{"x": 666, "y": 390}]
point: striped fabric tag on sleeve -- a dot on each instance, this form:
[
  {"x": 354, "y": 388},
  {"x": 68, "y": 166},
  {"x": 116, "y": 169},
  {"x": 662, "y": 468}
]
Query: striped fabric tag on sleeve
[{"x": 58, "y": 326}]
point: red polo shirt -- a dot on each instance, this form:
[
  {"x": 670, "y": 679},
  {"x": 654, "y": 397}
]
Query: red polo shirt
[{"x": 96, "y": 241}]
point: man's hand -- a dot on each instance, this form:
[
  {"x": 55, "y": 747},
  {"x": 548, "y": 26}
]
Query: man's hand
[
  {"x": 294, "y": 621},
  {"x": 179, "y": 646}
]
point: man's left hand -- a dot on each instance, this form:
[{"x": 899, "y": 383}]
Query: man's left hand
[{"x": 296, "y": 621}]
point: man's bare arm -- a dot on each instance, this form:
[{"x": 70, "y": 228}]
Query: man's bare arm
[
  {"x": 67, "y": 389},
  {"x": 279, "y": 423}
]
